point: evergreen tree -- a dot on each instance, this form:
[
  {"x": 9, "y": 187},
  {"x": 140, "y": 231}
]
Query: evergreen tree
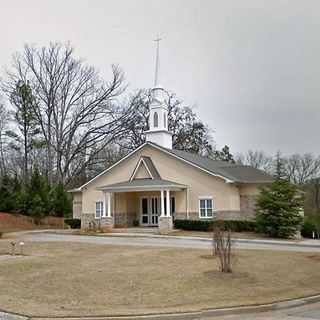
[
  {"x": 279, "y": 167},
  {"x": 279, "y": 209},
  {"x": 224, "y": 155},
  {"x": 24, "y": 102},
  {"x": 7, "y": 203},
  {"x": 60, "y": 202},
  {"x": 37, "y": 199}
]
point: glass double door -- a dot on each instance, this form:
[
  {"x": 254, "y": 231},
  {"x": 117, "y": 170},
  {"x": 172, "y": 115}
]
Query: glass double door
[{"x": 150, "y": 211}]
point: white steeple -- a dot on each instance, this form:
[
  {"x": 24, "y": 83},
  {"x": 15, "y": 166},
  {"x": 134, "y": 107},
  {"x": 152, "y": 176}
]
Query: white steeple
[{"x": 158, "y": 119}]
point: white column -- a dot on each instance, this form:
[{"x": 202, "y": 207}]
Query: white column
[
  {"x": 168, "y": 203},
  {"x": 162, "y": 203},
  {"x": 109, "y": 204},
  {"x": 104, "y": 212}
]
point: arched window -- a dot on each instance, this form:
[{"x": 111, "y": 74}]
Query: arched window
[
  {"x": 155, "y": 120},
  {"x": 165, "y": 119}
]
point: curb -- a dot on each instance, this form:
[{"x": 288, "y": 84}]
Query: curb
[{"x": 281, "y": 305}]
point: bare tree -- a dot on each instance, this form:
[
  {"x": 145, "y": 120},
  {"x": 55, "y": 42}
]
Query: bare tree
[
  {"x": 257, "y": 159},
  {"x": 76, "y": 109},
  {"x": 4, "y": 122},
  {"x": 189, "y": 132},
  {"x": 222, "y": 246},
  {"x": 302, "y": 168}
]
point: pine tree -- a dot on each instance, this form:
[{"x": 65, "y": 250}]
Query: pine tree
[
  {"x": 224, "y": 155},
  {"x": 7, "y": 203},
  {"x": 36, "y": 196},
  {"x": 279, "y": 167},
  {"x": 24, "y": 102},
  {"x": 61, "y": 202},
  {"x": 279, "y": 209}
]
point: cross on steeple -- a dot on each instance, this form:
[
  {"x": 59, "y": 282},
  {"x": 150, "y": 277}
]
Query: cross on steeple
[
  {"x": 156, "y": 76},
  {"x": 158, "y": 132}
]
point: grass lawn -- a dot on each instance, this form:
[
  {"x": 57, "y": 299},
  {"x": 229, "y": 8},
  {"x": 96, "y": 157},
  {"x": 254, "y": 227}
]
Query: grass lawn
[
  {"x": 235, "y": 235},
  {"x": 85, "y": 279}
]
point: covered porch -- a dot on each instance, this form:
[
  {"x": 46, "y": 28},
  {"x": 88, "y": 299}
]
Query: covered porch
[{"x": 143, "y": 202}]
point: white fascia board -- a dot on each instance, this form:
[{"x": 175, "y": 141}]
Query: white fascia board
[
  {"x": 137, "y": 168},
  {"x": 158, "y": 148},
  {"x": 143, "y": 188},
  {"x": 111, "y": 167}
]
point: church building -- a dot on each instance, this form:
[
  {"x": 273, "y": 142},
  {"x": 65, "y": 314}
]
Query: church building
[{"x": 155, "y": 183}]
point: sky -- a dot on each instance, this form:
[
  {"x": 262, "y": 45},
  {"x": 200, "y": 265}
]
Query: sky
[{"x": 250, "y": 68}]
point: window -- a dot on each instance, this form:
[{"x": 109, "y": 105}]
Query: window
[
  {"x": 155, "y": 120},
  {"x": 205, "y": 208},
  {"x": 165, "y": 119},
  {"x": 99, "y": 209},
  {"x": 173, "y": 205}
]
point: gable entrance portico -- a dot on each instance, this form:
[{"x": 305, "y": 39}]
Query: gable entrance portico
[{"x": 149, "y": 202}]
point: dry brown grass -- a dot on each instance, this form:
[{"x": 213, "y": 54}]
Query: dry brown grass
[
  {"x": 86, "y": 279},
  {"x": 235, "y": 235}
]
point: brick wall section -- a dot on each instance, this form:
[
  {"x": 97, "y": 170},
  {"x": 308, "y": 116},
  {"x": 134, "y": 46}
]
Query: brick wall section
[
  {"x": 248, "y": 206},
  {"x": 86, "y": 219},
  {"x": 123, "y": 219},
  {"x": 106, "y": 223}
]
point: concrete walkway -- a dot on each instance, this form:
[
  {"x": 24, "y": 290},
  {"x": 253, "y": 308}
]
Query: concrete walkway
[
  {"x": 307, "y": 312},
  {"x": 7, "y": 316}
]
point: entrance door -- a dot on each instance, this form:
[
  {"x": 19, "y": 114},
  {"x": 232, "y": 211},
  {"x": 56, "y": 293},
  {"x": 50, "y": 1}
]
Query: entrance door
[
  {"x": 154, "y": 210},
  {"x": 150, "y": 209},
  {"x": 144, "y": 211}
]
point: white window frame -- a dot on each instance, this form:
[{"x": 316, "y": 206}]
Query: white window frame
[
  {"x": 206, "y": 198},
  {"x": 156, "y": 120},
  {"x": 100, "y": 209}
]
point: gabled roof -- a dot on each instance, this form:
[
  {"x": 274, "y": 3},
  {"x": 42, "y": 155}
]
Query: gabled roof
[
  {"x": 234, "y": 172},
  {"x": 224, "y": 170},
  {"x": 150, "y": 167},
  {"x": 142, "y": 184}
]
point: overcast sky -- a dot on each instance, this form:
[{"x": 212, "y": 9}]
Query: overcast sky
[{"x": 251, "y": 68}]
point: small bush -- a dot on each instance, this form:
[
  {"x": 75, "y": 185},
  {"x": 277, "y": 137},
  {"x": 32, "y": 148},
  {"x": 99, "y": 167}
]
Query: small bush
[
  {"x": 209, "y": 225},
  {"x": 73, "y": 223},
  {"x": 1, "y": 234},
  {"x": 136, "y": 223},
  {"x": 310, "y": 225}
]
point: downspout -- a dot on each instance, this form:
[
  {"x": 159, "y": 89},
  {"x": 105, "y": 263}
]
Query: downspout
[{"x": 187, "y": 203}]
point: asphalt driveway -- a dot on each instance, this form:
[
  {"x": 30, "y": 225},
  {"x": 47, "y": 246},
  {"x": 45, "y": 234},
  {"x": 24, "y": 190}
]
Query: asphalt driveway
[{"x": 175, "y": 242}]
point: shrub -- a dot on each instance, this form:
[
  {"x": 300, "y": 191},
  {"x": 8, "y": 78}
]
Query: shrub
[
  {"x": 73, "y": 223},
  {"x": 310, "y": 225},
  {"x": 136, "y": 223},
  {"x": 209, "y": 225},
  {"x": 222, "y": 245}
]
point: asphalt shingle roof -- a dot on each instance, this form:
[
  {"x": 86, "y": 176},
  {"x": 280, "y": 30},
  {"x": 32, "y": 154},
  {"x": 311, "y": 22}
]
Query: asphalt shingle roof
[
  {"x": 234, "y": 172},
  {"x": 153, "y": 170}
]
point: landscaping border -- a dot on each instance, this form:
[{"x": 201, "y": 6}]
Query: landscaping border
[{"x": 192, "y": 315}]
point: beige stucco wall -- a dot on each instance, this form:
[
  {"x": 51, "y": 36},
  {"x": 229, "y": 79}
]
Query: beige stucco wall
[
  {"x": 225, "y": 195},
  {"x": 77, "y": 205},
  {"x": 142, "y": 173},
  {"x": 249, "y": 189}
]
